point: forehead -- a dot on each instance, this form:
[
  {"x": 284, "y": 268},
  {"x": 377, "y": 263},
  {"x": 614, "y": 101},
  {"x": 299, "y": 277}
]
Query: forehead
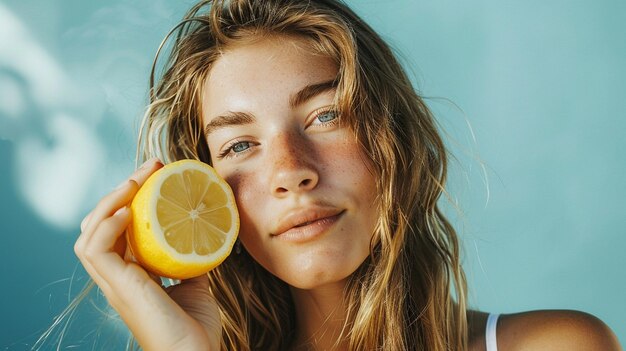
[{"x": 263, "y": 72}]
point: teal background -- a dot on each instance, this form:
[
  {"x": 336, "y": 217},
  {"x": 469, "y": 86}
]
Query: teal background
[{"x": 531, "y": 94}]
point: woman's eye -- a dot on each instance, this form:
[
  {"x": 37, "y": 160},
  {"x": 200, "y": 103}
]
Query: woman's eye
[
  {"x": 241, "y": 146},
  {"x": 235, "y": 149},
  {"x": 325, "y": 117}
]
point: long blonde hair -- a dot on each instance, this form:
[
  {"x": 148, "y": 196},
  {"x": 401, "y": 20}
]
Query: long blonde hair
[{"x": 410, "y": 293}]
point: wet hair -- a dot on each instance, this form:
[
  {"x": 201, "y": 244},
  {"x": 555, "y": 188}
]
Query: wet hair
[{"x": 410, "y": 293}]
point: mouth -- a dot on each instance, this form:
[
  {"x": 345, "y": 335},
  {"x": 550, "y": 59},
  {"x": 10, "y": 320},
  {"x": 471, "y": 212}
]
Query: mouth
[
  {"x": 305, "y": 225},
  {"x": 318, "y": 221}
]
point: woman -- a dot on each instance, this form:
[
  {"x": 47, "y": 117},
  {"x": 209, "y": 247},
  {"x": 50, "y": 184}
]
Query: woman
[{"x": 307, "y": 114}]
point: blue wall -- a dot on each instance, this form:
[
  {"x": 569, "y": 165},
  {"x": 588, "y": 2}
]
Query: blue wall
[{"x": 530, "y": 93}]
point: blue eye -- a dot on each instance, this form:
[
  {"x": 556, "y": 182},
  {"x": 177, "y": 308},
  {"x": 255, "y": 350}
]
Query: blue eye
[
  {"x": 326, "y": 117},
  {"x": 235, "y": 149},
  {"x": 240, "y": 146}
]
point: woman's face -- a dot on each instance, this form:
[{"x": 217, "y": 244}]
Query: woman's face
[{"x": 305, "y": 194}]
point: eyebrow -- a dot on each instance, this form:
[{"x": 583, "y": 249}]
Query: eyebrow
[
  {"x": 310, "y": 91},
  {"x": 230, "y": 118}
]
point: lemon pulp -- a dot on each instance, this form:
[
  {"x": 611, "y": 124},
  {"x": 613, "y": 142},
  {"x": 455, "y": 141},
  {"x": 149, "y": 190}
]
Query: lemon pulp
[{"x": 185, "y": 220}]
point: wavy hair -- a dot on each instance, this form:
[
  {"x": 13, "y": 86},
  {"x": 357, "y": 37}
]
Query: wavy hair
[{"x": 410, "y": 293}]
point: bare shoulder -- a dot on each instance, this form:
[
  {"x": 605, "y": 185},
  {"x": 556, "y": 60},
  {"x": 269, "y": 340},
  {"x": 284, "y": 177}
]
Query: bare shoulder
[{"x": 554, "y": 330}]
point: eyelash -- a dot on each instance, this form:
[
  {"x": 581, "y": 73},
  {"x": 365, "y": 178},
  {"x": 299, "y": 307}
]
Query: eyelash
[
  {"x": 317, "y": 113},
  {"x": 227, "y": 151}
]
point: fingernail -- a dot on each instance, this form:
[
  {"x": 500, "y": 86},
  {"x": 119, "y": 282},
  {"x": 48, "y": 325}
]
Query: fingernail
[
  {"x": 84, "y": 222},
  {"x": 120, "y": 211}
]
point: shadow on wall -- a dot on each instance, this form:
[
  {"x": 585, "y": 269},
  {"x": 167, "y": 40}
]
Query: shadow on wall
[
  {"x": 55, "y": 153},
  {"x": 64, "y": 121},
  {"x": 40, "y": 201},
  {"x": 52, "y": 153},
  {"x": 37, "y": 265}
]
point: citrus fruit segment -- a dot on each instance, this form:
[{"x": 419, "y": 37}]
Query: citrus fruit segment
[{"x": 185, "y": 220}]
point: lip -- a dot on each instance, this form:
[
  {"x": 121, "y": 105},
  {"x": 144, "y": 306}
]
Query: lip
[{"x": 305, "y": 224}]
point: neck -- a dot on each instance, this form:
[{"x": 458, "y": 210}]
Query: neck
[{"x": 321, "y": 315}]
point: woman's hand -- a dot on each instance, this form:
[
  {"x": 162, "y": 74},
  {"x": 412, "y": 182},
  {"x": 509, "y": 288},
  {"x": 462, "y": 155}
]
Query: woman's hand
[{"x": 185, "y": 317}]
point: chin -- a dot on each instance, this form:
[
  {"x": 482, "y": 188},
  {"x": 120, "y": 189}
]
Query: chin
[
  {"x": 319, "y": 273},
  {"x": 313, "y": 284}
]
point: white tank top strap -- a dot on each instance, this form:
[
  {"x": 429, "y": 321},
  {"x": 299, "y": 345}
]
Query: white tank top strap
[{"x": 490, "y": 332}]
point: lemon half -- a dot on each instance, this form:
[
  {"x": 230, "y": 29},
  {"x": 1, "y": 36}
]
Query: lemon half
[{"x": 184, "y": 220}]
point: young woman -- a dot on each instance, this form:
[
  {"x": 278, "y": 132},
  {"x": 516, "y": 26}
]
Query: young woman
[{"x": 307, "y": 114}]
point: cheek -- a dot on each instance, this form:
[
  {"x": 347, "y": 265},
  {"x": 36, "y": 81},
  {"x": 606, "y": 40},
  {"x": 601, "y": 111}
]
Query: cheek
[
  {"x": 248, "y": 194},
  {"x": 356, "y": 173},
  {"x": 352, "y": 168}
]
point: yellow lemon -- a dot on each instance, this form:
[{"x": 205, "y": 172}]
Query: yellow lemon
[{"x": 185, "y": 220}]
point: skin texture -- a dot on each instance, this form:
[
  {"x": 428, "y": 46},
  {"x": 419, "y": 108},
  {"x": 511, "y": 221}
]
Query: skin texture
[
  {"x": 294, "y": 160},
  {"x": 549, "y": 330},
  {"x": 291, "y": 159}
]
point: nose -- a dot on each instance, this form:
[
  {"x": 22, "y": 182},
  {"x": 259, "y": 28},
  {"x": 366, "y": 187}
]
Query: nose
[{"x": 293, "y": 170}]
